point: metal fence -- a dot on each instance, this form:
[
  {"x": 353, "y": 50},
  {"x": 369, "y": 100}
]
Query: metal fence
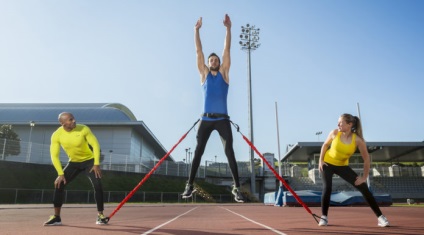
[
  {"x": 43, "y": 196},
  {"x": 40, "y": 154}
]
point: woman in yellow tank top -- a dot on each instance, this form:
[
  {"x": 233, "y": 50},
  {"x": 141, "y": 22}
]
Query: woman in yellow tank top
[{"x": 339, "y": 146}]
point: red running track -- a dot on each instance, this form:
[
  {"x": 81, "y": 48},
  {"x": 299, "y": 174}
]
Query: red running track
[{"x": 207, "y": 219}]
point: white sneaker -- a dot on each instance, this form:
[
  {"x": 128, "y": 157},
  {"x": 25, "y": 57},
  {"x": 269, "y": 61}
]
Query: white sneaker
[
  {"x": 324, "y": 221},
  {"x": 237, "y": 194},
  {"x": 382, "y": 221}
]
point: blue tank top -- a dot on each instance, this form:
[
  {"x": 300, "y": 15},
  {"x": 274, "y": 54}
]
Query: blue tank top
[{"x": 215, "y": 91}]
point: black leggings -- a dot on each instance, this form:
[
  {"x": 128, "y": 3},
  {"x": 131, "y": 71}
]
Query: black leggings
[
  {"x": 224, "y": 129},
  {"x": 346, "y": 173},
  {"x": 71, "y": 170}
]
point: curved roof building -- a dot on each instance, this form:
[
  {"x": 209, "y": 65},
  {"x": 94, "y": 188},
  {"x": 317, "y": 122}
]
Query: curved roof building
[
  {"x": 123, "y": 139},
  {"x": 48, "y": 113}
]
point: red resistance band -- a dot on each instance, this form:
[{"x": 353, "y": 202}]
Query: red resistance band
[
  {"x": 148, "y": 175},
  {"x": 276, "y": 174}
]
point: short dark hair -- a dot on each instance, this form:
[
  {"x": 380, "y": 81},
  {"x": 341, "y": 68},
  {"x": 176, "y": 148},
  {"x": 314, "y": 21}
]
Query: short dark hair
[{"x": 213, "y": 54}]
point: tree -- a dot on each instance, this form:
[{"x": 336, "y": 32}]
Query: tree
[{"x": 10, "y": 143}]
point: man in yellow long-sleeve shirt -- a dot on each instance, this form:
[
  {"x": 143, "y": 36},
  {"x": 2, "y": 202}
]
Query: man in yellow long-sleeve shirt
[{"x": 83, "y": 150}]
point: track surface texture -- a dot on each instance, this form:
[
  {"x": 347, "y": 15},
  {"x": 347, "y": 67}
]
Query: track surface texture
[{"x": 208, "y": 219}]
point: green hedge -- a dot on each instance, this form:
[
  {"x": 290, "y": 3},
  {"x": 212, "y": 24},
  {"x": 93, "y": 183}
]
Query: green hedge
[{"x": 35, "y": 176}]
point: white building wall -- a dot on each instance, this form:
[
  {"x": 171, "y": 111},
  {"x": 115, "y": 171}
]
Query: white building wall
[{"x": 116, "y": 144}]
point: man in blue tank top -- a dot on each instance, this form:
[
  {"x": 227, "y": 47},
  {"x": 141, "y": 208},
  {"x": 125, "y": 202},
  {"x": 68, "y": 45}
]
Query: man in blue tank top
[{"x": 214, "y": 80}]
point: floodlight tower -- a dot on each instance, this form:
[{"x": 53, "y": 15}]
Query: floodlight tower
[{"x": 249, "y": 39}]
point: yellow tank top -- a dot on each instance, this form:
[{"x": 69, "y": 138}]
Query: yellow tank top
[{"x": 339, "y": 152}]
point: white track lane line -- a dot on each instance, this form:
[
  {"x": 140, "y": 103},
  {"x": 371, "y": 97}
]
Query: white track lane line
[
  {"x": 169, "y": 221},
  {"x": 263, "y": 225}
]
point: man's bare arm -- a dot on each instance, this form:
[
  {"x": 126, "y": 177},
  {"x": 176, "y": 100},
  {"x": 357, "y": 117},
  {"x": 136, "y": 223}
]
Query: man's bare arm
[
  {"x": 200, "y": 58},
  {"x": 226, "y": 58}
]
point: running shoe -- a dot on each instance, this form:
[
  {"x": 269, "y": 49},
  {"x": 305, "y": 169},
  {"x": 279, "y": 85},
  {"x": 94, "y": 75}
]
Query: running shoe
[
  {"x": 188, "y": 192},
  {"x": 237, "y": 194},
  {"x": 382, "y": 221},
  {"x": 101, "y": 219},
  {"x": 323, "y": 221},
  {"x": 53, "y": 221}
]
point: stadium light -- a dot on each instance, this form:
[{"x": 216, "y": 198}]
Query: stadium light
[
  {"x": 249, "y": 39},
  {"x": 318, "y": 134},
  {"x": 31, "y": 124}
]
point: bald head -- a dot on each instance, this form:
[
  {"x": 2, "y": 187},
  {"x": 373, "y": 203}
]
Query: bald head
[
  {"x": 63, "y": 115},
  {"x": 67, "y": 121}
]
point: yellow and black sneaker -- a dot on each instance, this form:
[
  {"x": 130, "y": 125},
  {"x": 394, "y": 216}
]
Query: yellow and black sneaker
[
  {"x": 101, "y": 219},
  {"x": 53, "y": 221}
]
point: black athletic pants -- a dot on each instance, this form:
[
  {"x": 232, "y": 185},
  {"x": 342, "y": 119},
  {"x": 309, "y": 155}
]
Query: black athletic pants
[
  {"x": 71, "y": 170},
  {"x": 346, "y": 173},
  {"x": 224, "y": 129}
]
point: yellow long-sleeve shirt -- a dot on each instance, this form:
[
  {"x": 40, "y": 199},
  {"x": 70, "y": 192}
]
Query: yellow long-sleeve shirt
[{"x": 75, "y": 143}]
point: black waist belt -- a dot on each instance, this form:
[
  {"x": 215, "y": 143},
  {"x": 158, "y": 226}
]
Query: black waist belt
[{"x": 215, "y": 115}]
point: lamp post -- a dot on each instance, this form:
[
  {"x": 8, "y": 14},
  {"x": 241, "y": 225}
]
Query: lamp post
[
  {"x": 278, "y": 143},
  {"x": 190, "y": 160},
  {"x": 31, "y": 124},
  {"x": 249, "y": 38},
  {"x": 318, "y": 134},
  {"x": 110, "y": 159},
  {"x": 187, "y": 158}
]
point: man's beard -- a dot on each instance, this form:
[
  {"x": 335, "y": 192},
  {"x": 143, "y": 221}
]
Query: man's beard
[{"x": 214, "y": 68}]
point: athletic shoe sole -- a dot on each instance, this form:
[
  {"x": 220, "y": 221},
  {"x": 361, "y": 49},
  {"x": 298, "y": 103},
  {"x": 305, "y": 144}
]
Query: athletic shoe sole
[
  {"x": 54, "y": 224},
  {"x": 235, "y": 198},
  {"x": 238, "y": 200},
  {"x": 188, "y": 196}
]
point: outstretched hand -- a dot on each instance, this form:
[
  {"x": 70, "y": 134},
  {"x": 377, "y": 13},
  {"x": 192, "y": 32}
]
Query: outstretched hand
[
  {"x": 227, "y": 21},
  {"x": 321, "y": 165},
  {"x": 97, "y": 171},
  {"x": 198, "y": 23},
  {"x": 360, "y": 180},
  {"x": 59, "y": 180}
]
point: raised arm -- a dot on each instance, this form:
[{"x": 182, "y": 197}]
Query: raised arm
[
  {"x": 200, "y": 58},
  {"x": 226, "y": 58}
]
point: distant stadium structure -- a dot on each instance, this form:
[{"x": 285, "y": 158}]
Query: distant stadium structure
[
  {"x": 397, "y": 169},
  {"x": 126, "y": 143}
]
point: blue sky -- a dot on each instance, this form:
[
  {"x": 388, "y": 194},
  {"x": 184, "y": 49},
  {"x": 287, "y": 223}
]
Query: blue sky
[{"x": 317, "y": 60}]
